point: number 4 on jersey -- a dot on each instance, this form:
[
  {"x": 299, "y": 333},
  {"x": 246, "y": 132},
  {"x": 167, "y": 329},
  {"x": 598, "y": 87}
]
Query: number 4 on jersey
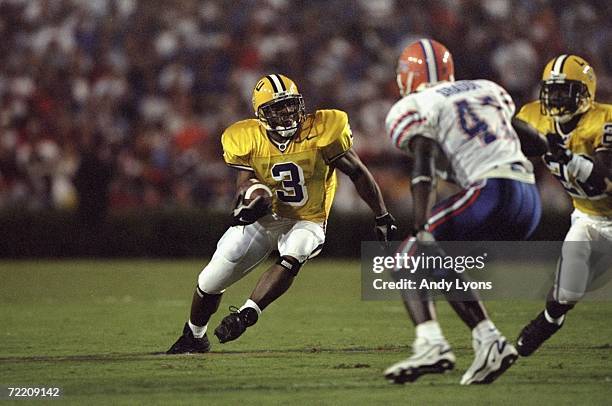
[{"x": 471, "y": 123}]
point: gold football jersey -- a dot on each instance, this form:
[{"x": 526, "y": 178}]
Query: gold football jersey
[
  {"x": 300, "y": 177},
  {"x": 593, "y": 132}
]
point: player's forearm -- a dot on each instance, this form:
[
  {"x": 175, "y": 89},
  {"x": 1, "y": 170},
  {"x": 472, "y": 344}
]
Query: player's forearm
[
  {"x": 242, "y": 177},
  {"x": 368, "y": 190},
  {"x": 532, "y": 144},
  {"x": 421, "y": 196},
  {"x": 603, "y": 163},
  {"x": 422, "y": 179},
  {"x": 600, "y": 175},
  {"x": 364, "y": 182}
]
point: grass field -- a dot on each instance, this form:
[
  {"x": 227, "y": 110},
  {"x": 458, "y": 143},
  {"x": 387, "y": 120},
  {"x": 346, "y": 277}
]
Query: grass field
[{"x": 94, "y": 328}]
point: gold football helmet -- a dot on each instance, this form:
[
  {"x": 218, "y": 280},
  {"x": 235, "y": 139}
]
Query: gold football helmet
[
  {"x": 278, "y": 105},
  {"x": 568, "y": 87}
]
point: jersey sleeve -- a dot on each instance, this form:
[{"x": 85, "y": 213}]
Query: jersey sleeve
[
  {"x": 406, "y": 119},
  {"x": 507, "y": 104},
  {"x": 338, "y": 137},
  {"x": 603, "y": 140},
  {"x": 236, "y": 149},
  {"x": 531, "y": 114}
]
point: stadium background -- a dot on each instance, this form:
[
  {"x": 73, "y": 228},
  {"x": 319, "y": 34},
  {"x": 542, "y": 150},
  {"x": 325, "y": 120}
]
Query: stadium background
[
  {"x": 111, "y": 111},
  {"x": 110, "y": 117}
]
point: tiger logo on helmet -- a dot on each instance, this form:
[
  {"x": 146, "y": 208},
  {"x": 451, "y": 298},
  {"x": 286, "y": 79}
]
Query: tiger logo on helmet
[
  {"x": 568, "y": 87},
  {"x": 424, "y": 62},
  {"x": 278, "y": 105}
]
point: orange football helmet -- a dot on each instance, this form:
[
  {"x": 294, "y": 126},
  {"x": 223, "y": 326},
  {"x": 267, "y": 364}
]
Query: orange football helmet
[{"x": 423, "y": 61}]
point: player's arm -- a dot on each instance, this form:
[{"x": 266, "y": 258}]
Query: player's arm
[
  {"x": 247, "y": 213},
  {"x": 242, "y": 177},
  {"x": 423, "y": 179},
  {"x": 367, "y": 188},
  {"x": 602, "y": 169},
  {"x": 364, "y": 182},
  {"x": 594, "y": 173},
  {"x": 532, "y": 144},
  {"x": 603, "y": 162}
]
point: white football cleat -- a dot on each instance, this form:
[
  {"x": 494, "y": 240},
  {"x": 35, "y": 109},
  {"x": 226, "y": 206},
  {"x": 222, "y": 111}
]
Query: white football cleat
[
  {"x": 492, "y": 359},
  {"x": 428, "y": 358}
]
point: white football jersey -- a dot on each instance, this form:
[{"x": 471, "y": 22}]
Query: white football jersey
[{"x": 469, "y": 120}]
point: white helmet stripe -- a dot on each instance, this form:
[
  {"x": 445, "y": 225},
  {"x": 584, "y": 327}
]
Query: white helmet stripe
[
  {"x": 558, "y": 65},
  {"x": 430, "y": 57},
  {"x": 277, "y": 83}
]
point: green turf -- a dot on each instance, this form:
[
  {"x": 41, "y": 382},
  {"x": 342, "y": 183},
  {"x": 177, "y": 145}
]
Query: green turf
[{"x": 93, "y": 328}]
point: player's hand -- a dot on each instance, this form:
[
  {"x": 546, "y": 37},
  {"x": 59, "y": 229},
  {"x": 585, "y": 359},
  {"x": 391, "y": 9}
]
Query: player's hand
[
  {"x": 245, "y": 214},
  {"x": 386, "y": 229},
  {"x": 557, "y": 151}
]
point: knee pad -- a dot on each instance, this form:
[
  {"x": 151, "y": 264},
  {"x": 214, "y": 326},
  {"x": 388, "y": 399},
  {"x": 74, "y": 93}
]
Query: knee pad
[
  {"x": 216, "y": 276},
  {"x": 568, "y": 298},
  {"x": 289, "y": 264}
]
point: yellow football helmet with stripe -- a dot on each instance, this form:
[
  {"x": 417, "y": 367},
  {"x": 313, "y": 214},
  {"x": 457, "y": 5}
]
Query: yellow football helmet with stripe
[
  {"x": 278, "y": 105},
  {"x": 568, "y": 87}
]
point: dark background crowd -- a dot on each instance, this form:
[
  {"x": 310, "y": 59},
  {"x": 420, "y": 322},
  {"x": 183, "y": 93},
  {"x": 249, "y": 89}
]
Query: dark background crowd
[{"x": 119, "y": 104}]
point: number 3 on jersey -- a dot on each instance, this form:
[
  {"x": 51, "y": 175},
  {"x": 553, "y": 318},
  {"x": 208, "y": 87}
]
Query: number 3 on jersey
[{"x": 291, "y": 176}]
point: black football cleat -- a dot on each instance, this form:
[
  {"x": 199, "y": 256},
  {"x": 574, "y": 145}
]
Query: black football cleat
[
  {"x": 188, "y": 344},
  {"x": 234, "y": 324},
  {"x": 534, "y": 334}
]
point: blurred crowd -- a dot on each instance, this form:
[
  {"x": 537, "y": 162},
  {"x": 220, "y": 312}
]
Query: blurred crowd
[{"x": 121, "y": 103}]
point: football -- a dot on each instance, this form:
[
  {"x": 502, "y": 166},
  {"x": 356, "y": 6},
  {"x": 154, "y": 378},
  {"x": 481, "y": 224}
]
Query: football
[{"x": 252, "y": 189}]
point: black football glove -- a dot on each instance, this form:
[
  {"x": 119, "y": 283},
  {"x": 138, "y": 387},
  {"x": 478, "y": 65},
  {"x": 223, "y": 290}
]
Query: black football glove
[
  {"x": 557, "y": 151},
  {"x": 245, "y": 214},
  {"x": 386, "y": 229}
]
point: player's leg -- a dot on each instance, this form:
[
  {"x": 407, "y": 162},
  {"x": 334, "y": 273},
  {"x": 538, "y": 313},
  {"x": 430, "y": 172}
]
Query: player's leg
[
  {"x": 431, "y": 351},
  {"x": 239, "y": 251},
  {"x": 300, "y": 241},
  {"x": 511, "y": 212},
  {"x": 499, "y": 209},
  {"x": 575, "y": 270},
  {"x": 432, "y": 354}
]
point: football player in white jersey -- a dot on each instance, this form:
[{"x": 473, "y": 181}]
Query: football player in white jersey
[{"x": 461, "y": 131}]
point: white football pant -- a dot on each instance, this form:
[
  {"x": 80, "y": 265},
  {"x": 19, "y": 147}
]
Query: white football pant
[
  {"x": 586, "y": 255},
  {"x": 242, "y": 248}
]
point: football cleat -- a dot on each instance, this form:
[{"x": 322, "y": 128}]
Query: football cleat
[
  {"x": 534, "y": 334},
  {"x": 188, "y": 344},
  {"x": 234, "y": 324},
  {"x": 428, "y": 358},
  {"x": 492, "y": 359}
]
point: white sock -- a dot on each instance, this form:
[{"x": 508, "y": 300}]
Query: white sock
[
  {"x": 558, "y": 321},
  {"x": 198, "y": 332},
  {"x": 485, "y": 330},
  {"x": 430, "y": 330},
  {"x": 251, "y": 304}
]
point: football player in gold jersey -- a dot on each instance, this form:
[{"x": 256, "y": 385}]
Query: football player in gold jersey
[
  {"x": 579, "y": 135},
  {"x": 295, "y": 154}
]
